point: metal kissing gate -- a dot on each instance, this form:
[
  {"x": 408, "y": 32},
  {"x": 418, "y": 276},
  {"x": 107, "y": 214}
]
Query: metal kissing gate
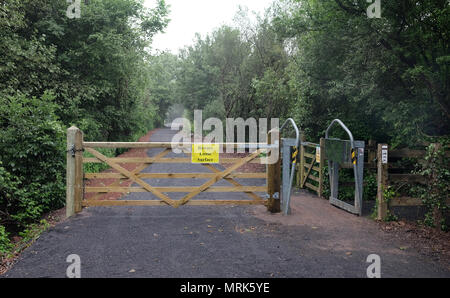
[
  {"x": 345, "y": 154},
  {"x": 287, "y": 144}
]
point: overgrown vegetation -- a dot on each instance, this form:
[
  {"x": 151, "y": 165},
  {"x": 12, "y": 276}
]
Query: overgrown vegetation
[
  {"x": 93, "y": 72},
  {"x": 434, "y": 194}
]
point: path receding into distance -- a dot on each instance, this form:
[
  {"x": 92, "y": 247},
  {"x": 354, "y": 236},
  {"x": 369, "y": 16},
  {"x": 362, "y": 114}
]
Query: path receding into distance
[{"x": 317, "y": 240}]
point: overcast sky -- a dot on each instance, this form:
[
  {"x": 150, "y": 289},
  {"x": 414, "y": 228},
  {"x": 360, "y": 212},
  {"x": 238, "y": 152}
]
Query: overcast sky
[{"x": 202, "y": 16}]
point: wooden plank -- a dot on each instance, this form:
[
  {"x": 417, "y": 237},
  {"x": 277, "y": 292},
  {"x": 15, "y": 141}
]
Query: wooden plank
[
  {"x": 218, "y": 176},
  {"x": 412, "y": 178},
  {"x": 309, "y": 155},
  {"x": 314, "y": 168},
  {"x": 104, "y": 203},
  {"x": 312, "y": 177},
  {"x": 309, "y": 170},
  {"x": 131, "y": 176},
  {"x": 405, "y": 201},
  {"x": 166, "y": 189},
  {"x": 407, "y": 153},
  {"x": 173, "y": 175},
  {"x": 188, "y": 146},
  {"x": 149, "y": 160},
  {"x": 310, "y": 186},
  {"x": 408, "y": 201},
  {"x": 311, "y": 145}
]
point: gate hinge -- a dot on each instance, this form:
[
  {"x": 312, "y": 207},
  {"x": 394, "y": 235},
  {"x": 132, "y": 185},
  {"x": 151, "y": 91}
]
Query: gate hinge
[
  {"x": 275, "y": 196},
  {"x": 73, "y": 150}
]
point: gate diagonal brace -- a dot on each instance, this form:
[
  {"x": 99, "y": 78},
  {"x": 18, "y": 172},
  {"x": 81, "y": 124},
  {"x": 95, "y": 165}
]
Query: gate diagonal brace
[
  {"x": 252, "y": 195},
  {"x": 136, "y": 171},
  {"x": 132, "y": 176},
  {"x": 216, "y": 178}
]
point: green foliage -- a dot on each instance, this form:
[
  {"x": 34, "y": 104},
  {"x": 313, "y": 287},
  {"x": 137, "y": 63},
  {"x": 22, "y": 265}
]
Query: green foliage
[
  {"x": 374, "y": 74},
  {"x": 346, "y": 185},
  {"x": 5, "y": 243},
  {"x": 33, "y": 231},
  {"x": 436, "y": 171},
  {"x": 32, "y": 151},
  {"x": 93, "y": 72},
  {"x": 236, "y": 72},
  {"x": 388, "y": 194}
]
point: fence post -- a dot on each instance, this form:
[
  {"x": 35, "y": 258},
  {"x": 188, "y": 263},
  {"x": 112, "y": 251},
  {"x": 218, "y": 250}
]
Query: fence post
[
  {"x": 382, "y": 180},
  {"x": 321, "y": 166},
  {"x": 301, "y": 164},
  {"x": 74, "y": 171},
  {"x": 274, "y": 176}
]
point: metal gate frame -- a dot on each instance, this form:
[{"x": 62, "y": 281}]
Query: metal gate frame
[
  {"x": 357, "y": 158},
  {"x": 287, "y": 144}
]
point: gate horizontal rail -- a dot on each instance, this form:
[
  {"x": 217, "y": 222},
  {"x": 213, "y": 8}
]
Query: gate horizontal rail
[
  {"x": 159, "y": 160},
  {"x": 174, "y": 145},
  {"x": 174, "y": 175},
  {"x": 179, "y": 189},
  {"x": 93, "y": 203}
]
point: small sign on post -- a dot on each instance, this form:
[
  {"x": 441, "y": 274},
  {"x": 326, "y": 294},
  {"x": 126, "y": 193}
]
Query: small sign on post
[
  {"x": 205, "y": 153},
  {"x": 384, "y": 154}
]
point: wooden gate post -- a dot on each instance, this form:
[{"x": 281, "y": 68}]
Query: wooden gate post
[
  {"x": 382, "y": 181},
  {"x": 321, "y": 166},
  {"x": 74, "y": 171},
  {"x": 301, "y": 164},
  {"x": 274, "y": 176}
]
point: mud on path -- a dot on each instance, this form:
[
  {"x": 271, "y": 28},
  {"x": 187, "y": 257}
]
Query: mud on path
[{"x": 317, "y": 240}]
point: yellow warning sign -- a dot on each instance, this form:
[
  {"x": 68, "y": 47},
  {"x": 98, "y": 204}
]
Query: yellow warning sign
[{"x": 205, "y": 153}]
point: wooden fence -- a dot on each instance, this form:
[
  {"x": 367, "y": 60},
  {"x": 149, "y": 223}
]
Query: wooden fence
[{"x": 389, "y": 172}]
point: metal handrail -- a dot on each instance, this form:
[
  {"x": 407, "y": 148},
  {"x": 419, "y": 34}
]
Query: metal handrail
[
  {"x": 344, "y": 127},
  {"x": 297, "y": 132},
  {"x": 352, "y": 144},
  {"x": 297, "y": 140}
]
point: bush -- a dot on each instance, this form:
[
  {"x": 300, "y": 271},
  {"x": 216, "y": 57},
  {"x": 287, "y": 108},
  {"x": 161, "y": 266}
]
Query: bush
[
  {"x": 32, "y": 151},
  {"x": 436, "y": 171},
  {"x": 5, "y": 244}
]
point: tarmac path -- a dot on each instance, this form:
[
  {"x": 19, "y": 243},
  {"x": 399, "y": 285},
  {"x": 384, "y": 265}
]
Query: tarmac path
[{"x": 317, "y": 240}]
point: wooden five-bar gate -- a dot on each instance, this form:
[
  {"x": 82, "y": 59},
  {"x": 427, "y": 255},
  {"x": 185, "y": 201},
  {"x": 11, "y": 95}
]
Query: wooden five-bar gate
[{"x": 75, "y": 175}]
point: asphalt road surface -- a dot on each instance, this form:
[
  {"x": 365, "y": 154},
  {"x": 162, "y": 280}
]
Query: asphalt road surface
[{"x": 317, "y": 240}]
